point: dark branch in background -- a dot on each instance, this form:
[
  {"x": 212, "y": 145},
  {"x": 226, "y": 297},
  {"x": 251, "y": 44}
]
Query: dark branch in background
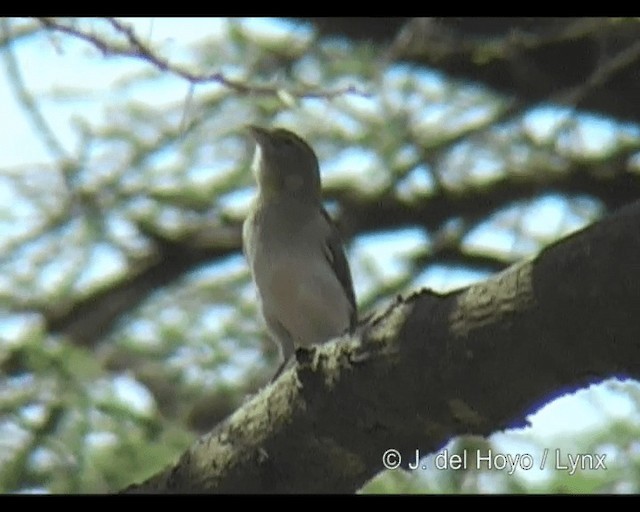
[
  {"x": 90, "y": 320},
  {"x": 588, "y": 63},
  {"x": 380, "y": 31},
  {"x": 20, "y": 467},
  {"x": 606, "y": 180},
  {"x": 431, "y": 368}
]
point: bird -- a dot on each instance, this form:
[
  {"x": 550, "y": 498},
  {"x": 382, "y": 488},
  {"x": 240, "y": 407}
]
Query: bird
[{"x": 293, "y": 248}]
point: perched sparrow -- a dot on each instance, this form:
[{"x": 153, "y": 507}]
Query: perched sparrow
[{"x": 294, "y": 250}]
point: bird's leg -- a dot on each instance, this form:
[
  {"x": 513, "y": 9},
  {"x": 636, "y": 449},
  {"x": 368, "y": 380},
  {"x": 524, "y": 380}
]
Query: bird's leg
[{"x": 282, "y": 367}]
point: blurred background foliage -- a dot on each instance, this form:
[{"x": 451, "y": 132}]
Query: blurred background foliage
[{"x": 128, "y": 322}]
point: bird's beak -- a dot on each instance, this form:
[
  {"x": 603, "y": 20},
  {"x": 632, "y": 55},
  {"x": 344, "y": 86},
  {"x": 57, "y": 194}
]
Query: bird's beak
[{"x": 260, "y": 135}]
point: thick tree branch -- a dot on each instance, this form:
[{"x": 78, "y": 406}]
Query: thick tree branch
[{"x": 432, "y": 367}]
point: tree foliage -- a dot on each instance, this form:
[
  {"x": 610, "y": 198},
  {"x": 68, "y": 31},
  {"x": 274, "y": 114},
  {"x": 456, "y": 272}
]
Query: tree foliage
[{"x": 450, "y": 150}]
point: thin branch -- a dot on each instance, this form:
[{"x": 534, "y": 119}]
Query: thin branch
[
  {"x": 17, "y": 34},
  {"x": 624, "y": 59},
  {"x": 26, "y": 100},
  {"x": 137, "y": 49}
]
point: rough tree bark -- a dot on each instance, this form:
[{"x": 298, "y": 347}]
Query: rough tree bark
[{"x": 432, "y": 367}]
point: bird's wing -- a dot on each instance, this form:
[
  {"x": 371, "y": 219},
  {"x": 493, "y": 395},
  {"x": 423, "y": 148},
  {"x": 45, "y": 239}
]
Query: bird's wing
[{"x": 334, "y": 253}]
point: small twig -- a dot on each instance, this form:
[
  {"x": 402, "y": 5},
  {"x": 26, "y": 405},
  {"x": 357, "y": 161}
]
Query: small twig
[
  {"x": 137, "y": 49},
  {"x": 25, "y": 99},
  {"x": 622, "y": 60}
]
